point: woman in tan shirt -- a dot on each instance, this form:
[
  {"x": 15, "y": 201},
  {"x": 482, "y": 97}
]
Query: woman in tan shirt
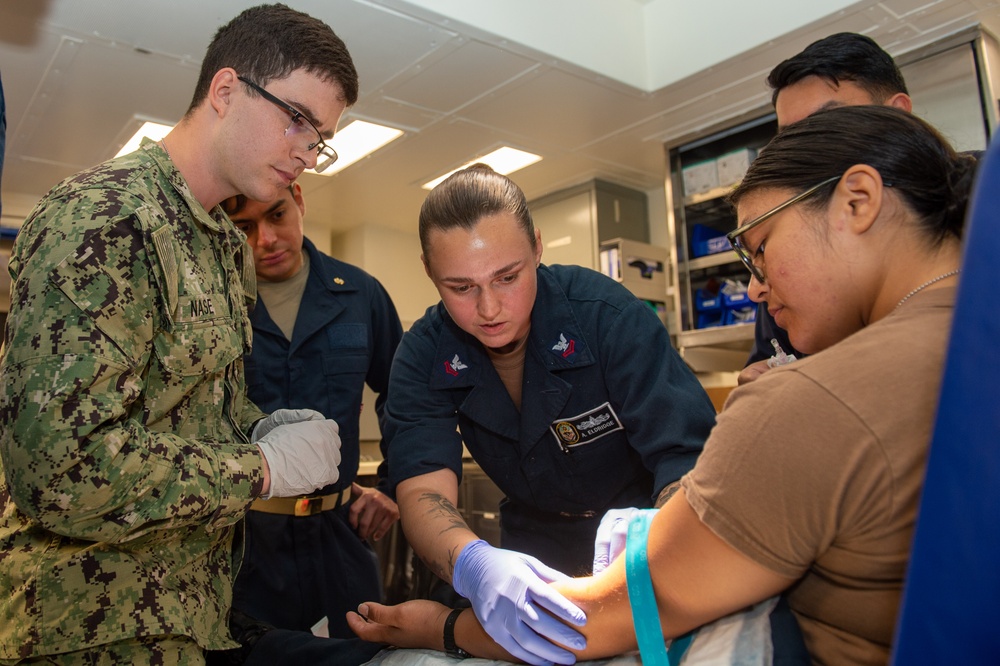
[{"x": 810, "y": 480}]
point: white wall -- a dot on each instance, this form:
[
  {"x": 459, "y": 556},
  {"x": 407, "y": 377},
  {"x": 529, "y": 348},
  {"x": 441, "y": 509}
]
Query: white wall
[
  {"x": 393, "y": 258},
  {"x": 647, "y": 44}
]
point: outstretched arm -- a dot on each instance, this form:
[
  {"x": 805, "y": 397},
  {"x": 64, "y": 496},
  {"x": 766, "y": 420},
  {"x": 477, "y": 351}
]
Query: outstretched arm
[{"x": 697, "y": 578}]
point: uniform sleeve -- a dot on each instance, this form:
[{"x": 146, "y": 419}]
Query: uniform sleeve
[
  {"x": 662, "y": 405},
  {"x": 386, "y": 334},
  {"x": 421, "y": 426},
  {"x": 75, "y": 383},
  {"x": 786, "y": 469}
]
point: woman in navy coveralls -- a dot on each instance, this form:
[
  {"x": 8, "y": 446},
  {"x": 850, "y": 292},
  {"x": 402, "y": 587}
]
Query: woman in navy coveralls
[{"x": 563, "y": 386}]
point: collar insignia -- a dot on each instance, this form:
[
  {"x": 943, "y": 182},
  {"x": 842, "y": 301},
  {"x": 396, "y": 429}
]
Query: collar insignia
[
  {"x": 566, "y": 349},
  {"x": 454, "y": 365}
]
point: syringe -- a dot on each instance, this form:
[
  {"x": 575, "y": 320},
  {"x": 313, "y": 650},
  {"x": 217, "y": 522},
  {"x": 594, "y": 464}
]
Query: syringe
[{"x": 780, "y": 357}]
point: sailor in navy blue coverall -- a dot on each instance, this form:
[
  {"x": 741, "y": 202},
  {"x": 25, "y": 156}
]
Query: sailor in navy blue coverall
[
  {"x": 610, "y": 414},
  {"x": 306, "y": 561},
  {"x": 564, "y": 388}
]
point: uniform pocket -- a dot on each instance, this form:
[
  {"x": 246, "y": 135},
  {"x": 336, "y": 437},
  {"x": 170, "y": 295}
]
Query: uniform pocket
[{"x": 199, "y": 348}]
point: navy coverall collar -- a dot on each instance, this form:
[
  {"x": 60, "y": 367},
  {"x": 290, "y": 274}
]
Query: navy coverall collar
[
  {"x": 554, "y": 332},
  {"x": 314, "y": 313}
]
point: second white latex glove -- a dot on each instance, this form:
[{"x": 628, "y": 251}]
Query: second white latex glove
[
  {"x": 301, "y": 457},
  {"x": 283, "y": 417}
]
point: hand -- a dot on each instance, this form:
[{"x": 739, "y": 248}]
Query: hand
[
  {"x": 283, "y": 417},
  {"x": 611, "y": 536},
  {"x": 752, "y": 372},
  {"x": 510, "y": 594},
  {"x": 372, "y": 512},
  {"x": 411, "y": 624},
  {"x": 301, "y": 457}
]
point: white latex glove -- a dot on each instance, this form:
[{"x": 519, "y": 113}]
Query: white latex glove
[
  {"x": 612, "y": 534},
  {"x": 301, "y": 457},
  {"x": 283, "y": 417}
]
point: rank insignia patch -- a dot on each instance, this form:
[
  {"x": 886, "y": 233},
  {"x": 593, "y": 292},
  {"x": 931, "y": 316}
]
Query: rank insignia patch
[
  {"x": 453, "y": 366},
  {"x": 566, "y": 348}
]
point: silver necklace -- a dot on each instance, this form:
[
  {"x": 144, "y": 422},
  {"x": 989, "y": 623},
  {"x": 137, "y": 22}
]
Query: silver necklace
[
  {"x": 927, "y": 284},
  {"x": 163, "y": 144}
]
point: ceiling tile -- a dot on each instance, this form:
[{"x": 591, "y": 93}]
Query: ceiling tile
[{"x": 470, "y": 71}]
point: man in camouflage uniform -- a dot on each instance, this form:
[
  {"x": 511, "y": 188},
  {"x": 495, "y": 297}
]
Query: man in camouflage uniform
[{"x": 129, "y": 451}]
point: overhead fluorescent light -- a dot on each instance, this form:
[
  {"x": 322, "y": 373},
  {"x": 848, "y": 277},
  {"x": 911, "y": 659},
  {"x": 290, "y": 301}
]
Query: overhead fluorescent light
[
  {"x": 355, "y": 141},
  {"x": 503, "y": 160},
  {"x": 154, "y": 131},
  {"x": 358, "y": 140}
]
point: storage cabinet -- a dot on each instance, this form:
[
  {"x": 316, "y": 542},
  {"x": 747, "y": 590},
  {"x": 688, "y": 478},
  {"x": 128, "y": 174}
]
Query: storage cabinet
[
  {"x": 641, "y": 268},
  {"x": 574, "y": 221},
  {"x": 710, "y": 299},
  {"x": 952, "y": 83}
]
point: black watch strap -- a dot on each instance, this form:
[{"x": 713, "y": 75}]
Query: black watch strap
[{"x": 449, "y": 636}]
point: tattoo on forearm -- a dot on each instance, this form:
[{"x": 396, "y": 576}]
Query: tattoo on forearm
[
  {"x": 667, "y": 493},
  {"x": 438, "y": 506}
]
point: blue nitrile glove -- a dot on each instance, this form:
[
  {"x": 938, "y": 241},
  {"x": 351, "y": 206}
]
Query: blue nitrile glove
[
  {"x": 508, "y": 591},
  {"x": 611, "y": 536},
  {"x": 283, "y": 417}
]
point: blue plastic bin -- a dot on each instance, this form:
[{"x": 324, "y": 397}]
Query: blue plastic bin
[
  {"x": 709, "y": 319},
  {"x": 736, "y": 301},
  {"x": 705, "y": 241},
  {"x": 707, "y": 301},
  {"x": 739, "y": 316}
]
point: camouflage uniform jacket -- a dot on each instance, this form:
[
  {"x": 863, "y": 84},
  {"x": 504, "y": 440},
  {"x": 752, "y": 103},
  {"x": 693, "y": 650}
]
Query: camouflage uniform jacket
[{"x": 123, "y": 411}]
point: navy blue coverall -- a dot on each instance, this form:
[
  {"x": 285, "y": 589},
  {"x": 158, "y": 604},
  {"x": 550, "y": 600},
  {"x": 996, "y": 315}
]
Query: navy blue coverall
[
  {"x": 609, "y": 416},
  {"x": 298, "y": 569}
]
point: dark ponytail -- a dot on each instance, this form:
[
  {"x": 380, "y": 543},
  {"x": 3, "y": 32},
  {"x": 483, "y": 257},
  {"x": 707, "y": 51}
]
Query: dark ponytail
[
  {"x": 961, "y": 178},
  {"x": 910, "y": 155},
  {"x": 467, "y": 196}
]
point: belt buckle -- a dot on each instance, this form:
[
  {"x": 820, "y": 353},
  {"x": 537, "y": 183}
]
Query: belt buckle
[{"x": 307, "y": 506}]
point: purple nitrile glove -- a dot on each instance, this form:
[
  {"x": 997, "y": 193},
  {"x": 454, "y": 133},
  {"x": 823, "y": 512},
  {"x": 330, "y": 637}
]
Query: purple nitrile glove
[
  {"x": 611, "y": 536},
  {"x": 509, "y": 591}
]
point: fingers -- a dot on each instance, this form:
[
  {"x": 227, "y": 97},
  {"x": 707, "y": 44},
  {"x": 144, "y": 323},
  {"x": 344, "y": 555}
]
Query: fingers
[
  {"x": 609, "y": 541},
  {"x": 373, "y": 513},
  {"x": 559, "y": 606},
  {"x": 543, "y": 571},
  {"x": 752, "y": 372},
  {"x": 538, "y": 641}
]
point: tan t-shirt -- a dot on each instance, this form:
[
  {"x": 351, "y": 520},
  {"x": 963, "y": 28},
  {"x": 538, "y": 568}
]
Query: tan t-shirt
[
  {"x": 814, "y": 471},
  {"x": 282, "y": 299}
]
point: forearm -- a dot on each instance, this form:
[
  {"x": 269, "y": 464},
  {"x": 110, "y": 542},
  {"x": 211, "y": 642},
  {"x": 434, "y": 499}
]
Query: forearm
[
  {"x": 667, "y": 493},
  {"x": 433, "y": 525},
  {"x": 609, "y": 630},
  {"x": 76, "y": 462}
]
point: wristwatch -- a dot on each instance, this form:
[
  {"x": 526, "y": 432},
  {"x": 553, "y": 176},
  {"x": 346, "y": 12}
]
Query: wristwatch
[{"x": 449, "y": 636}]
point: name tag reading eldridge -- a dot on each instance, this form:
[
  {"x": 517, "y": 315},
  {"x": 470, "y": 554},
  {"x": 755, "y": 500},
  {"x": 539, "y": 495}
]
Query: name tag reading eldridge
[{"x": 585, "y": 428}]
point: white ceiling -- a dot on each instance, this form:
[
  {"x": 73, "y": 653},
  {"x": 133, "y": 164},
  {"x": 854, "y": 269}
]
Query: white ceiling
[{"x": 77, "y": 72}]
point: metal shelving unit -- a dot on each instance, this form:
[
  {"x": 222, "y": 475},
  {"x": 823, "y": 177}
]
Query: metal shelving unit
[{"x": 715, "y": 347}]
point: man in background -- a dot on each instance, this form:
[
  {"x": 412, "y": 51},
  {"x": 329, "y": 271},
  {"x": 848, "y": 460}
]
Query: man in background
[
  {"x": 844, "y": 69},
  {"x": 322, "y": 329},
  {"x": 129, "y": 451}
]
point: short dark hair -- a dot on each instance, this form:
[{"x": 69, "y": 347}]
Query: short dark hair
[
  {"x": 235, "y": 204},
  {"x": 269, "y": 42},
  {"x": 466, "y": 196},
  {"x": 932, "y": 179},
  {"x": 845, "y": 56}
]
